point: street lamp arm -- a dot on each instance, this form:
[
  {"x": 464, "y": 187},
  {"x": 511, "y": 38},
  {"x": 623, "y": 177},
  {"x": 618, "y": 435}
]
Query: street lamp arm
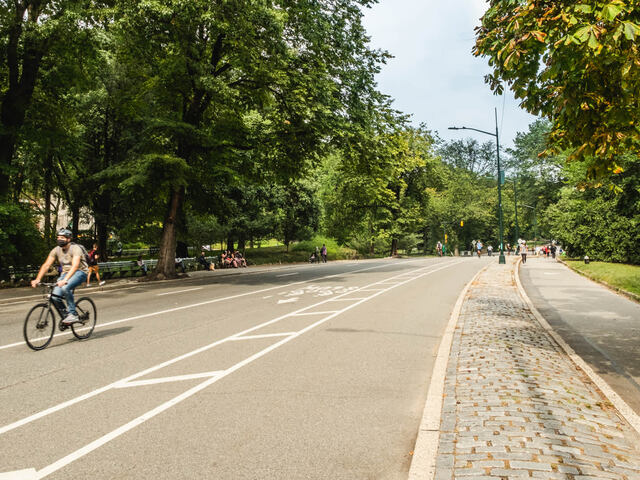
[{"x": 474, "y": 129}]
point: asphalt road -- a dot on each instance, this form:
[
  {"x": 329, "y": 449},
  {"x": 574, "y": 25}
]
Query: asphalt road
[
  {"x": 317, "y": 371},
  {"x": 601, "y": 326}
]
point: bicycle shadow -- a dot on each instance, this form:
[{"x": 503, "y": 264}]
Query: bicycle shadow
[{"x": 95, "y": 335}]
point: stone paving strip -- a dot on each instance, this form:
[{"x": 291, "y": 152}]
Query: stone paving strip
[{"x": 516, "y": 406}]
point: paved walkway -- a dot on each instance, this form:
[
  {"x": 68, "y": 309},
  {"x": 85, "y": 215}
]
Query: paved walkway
[
  {"x": 601, "y": 326},
  {"x": 516, "y": 406}
]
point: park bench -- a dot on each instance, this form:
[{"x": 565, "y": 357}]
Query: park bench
[{"x": 108, "y": 270}]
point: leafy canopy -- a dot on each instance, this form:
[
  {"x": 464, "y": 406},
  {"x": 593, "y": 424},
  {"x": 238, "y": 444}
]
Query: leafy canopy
[{"x": 576, "y": 64}]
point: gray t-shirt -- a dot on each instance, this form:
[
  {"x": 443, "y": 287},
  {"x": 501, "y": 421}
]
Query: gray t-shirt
[{"x": 65, "y": 258}]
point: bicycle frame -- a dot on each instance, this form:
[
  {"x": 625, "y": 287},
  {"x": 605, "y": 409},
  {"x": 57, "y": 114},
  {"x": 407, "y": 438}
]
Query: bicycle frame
[{"x": 60, "y": 310}]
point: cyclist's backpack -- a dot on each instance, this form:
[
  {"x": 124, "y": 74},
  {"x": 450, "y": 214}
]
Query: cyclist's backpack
[{"x": 87, "y": 257}]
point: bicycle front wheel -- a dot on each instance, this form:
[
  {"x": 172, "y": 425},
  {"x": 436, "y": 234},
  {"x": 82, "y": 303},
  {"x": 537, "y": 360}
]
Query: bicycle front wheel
[
  {"x": 39, "y": 326},
  {"x": 88, "y": 315}
]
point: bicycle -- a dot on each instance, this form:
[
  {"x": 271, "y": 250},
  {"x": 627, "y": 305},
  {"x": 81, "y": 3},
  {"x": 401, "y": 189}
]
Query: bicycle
[{"x": 40, "y": 323}]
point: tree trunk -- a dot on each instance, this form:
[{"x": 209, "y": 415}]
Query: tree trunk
[
  {"x": 48, "y": 237},
  {"x": 230, "y": 243},
  {"x": 166, "y": 267},
  {"x": 102, "y": 237},
  {"x": 426, "y": 239},
  {"x": 241, "y": 243},
  {"x": 22, "y": 74},
  {"x": 7, "y": 147},
  {"x": 75, "y": 218},
  {"x": 394, "y": 247}
]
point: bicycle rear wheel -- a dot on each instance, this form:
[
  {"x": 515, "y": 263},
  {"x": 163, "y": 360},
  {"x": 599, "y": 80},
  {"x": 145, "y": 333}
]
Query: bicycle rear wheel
[
  {"x": 39, "y": 326},
  {"x": 88, "y": 315}
]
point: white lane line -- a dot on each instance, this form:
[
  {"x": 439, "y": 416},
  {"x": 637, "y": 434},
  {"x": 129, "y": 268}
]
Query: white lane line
[
  {"x": 14, "y": 303},
  {"x": 179, "y": 291},
  {"x": 178, "y": 378},
  {"x": 314, "y": 313},
  {"x": 174, "y": 401},
  {"x": 215, "y": 300},
  {"x": 100, "y": 390},
  {"x": 288, "y": 274},
  {"x": 28, "y": 474},
  {"x": 266, "y": 335}
]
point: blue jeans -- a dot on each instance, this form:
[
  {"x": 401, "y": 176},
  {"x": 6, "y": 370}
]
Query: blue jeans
[{"x": 66, "y": 292}]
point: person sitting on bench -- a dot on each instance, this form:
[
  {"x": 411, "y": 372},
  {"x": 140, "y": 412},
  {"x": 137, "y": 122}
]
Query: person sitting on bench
[
  {"x": 202, "y": 260},
  {"x": 143, "y": 266}
]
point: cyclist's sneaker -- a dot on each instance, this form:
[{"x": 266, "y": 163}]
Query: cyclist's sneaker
[
  {"x": 102, "y": 282},
  {"x": 71, "y": 318}
]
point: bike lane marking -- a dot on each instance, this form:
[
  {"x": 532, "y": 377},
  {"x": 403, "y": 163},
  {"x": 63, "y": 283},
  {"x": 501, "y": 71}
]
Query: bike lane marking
[
  {"x": 221, "y": 299},
  {"x": 57, "y": 465},
  {"x": 142, "y": 373},
  {"x": 179, "y": 291}
]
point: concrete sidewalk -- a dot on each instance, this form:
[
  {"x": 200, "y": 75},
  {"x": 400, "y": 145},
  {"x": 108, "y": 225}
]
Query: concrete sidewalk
[
  {"x": 602, "y": 326},
  {"x": 516, "y": 405}
]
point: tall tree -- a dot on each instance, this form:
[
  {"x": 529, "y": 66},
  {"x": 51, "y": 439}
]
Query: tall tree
[
  {"x": 244, "y": 82},
  {"x": 29, "y": 31}
]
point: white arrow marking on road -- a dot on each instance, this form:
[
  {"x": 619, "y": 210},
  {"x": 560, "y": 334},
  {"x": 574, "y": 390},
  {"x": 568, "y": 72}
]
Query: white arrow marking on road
[
  {"x": 287, "y": 274},
  {"x": 28, "y": 474},
  {"x": 289, "y": 300}
]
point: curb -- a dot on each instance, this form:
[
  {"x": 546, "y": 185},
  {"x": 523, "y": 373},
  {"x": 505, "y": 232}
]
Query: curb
[
  {"x": 618, "y": 403},
  {"x": 423, "y": 462},
  {"x": 621, "y": 291}
]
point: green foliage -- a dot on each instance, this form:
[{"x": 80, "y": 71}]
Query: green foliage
[
  {"x": 20, "y": 241},
  {"x": 589, "y": 224},
  {"x": 575, "y": 64},
  {"x": 335, "y": 251}
]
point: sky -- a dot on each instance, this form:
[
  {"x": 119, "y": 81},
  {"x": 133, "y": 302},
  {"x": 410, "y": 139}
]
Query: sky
[{"x": 433, "y": 75}]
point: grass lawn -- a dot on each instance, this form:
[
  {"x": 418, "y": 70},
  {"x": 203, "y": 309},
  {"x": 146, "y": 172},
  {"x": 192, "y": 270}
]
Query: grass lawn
[{"x": 626, "y": 277}]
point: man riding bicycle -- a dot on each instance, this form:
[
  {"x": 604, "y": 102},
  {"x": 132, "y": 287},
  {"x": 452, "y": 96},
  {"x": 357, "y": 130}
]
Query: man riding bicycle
[{"x": 71, "y": 258}]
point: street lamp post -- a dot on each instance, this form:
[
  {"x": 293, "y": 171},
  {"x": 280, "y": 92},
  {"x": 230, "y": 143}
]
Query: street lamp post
[
  {"x": 515, "y": 198},
  {"x": 501, "y": 259}
]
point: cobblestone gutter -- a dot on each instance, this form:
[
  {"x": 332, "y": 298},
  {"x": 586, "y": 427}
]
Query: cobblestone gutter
[{"x": 516, "y": 406}]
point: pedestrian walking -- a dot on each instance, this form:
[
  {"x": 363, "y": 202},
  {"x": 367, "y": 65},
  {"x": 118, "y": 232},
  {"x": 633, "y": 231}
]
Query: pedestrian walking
[
  {"x": 323, "y": 252},
  {"x": 92, "y": 262},
  {"x": 490, "y": 250},
  {"x": 523, "y": 252},
  {"x": 317, "y": 253},
  {"x": 479, "y": 248}
]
